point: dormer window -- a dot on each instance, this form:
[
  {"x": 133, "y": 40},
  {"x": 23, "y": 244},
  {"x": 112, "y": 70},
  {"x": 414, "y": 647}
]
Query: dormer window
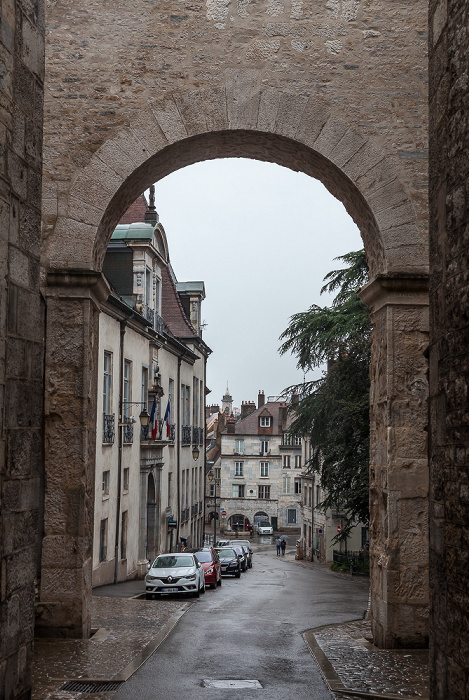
[{"x": 265, "y": 421}]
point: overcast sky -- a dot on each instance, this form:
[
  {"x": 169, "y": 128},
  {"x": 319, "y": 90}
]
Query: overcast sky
[{"x": 262, "y": 238}]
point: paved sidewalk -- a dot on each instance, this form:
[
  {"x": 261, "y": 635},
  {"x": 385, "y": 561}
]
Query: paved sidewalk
[{"x": 129, "y": 630}]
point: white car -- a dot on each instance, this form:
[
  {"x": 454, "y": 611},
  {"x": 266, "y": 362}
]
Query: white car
[
  {"x": 177, "y": 573},
  {"x": 265, "y": 528}
]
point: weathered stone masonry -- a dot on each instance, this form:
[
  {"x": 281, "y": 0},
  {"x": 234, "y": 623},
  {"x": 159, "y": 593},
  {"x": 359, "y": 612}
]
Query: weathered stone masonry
[
  {"x": 336, "y": 89},
  {"x": 21, "y": 336},
  {"x": 449, "y": 359}
]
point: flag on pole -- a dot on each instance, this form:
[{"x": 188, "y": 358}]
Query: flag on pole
[
  {"x": 153, "y": 420},
  {"x": 167, "y": 418}
]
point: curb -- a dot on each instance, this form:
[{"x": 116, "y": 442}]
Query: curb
[
  {"x": 140, "y": 659},
  {"x": 331, "y": 677}
]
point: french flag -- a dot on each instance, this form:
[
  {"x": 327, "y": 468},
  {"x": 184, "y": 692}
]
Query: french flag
[{"x": 167, "y": 419}]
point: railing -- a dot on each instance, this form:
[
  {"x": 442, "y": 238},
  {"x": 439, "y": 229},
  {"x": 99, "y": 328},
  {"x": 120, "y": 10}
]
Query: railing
[
  {"x": 186, "y": 435},
  {"x": 128, "y": 434},
  {"x": 108, "y": 428},
  {"x": 355, "y": 562},
  {"x": 161, "y": 432},
  {"x": 149, "y": 314},
  {"x": 159, "y": 324},
  {"x": 197, "y": 436}
]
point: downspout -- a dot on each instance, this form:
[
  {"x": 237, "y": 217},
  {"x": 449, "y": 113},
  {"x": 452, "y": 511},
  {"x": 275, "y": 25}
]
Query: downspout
[
  {"x": 120, "y": 438},
  {"x": 204, "y": 470},
  {"x": 178, "y": 452}
]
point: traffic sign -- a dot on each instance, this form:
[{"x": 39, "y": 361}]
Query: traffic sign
[{"x": 339, "y": 529}]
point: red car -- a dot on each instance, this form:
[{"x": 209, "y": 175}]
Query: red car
[{"x": 208, "y": 557}]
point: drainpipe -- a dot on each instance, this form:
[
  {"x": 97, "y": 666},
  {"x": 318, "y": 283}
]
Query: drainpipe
[
  {"x": 178, "y": 452},
  {"x": 120, "y": 432},
  {"x": 119, "y": 454},
  {"x": 204, "y": 470}
]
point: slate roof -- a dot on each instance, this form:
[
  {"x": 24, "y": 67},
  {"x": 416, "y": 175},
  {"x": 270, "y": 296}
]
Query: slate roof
[
  {"x": 171, "y": 308},
  {"x": 250, "y": 424}
]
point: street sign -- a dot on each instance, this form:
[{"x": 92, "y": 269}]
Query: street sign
[
  {"x": 320, "y": 531},
  {"x": 172, "y": 523},
  {"x": 223, "y": 512},
  {"x": 339, "y": 529}
]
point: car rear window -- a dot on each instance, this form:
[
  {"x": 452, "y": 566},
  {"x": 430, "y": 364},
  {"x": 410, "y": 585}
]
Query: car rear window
[
  {"x": 227, "y": 553},
  {"x": 203, "y": 557},
  {"x": 167, "y": 562}
]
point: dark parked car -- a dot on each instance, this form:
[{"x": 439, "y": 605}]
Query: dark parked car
[
  {"x": 208, "y": 557},
  {"x": 240, "y": 552},
  {"x": 247, "y": 546},
  {"x": 229, "y": 561}
]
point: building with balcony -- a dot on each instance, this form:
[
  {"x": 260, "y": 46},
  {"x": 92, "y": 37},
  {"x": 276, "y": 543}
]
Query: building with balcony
[
  {"x": 152, "y": 360},
  {"x": 260, "y": 468}
]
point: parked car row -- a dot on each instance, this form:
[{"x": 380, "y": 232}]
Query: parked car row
[{"x": 190, "y": 571}]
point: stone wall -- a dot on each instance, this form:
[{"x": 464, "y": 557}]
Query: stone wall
[
  {"x": 449, "y": 360},
  {"x": 21, "y": 336},
  {"x": 333, "y": 88}
]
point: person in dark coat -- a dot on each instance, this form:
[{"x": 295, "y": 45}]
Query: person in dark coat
[{"x": 283, "y": 545}]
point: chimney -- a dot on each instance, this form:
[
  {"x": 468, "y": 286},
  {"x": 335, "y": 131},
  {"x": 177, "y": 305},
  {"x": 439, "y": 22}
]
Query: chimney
[
  {"x": 247, "y": 407},
  {"x": 260, "y": 399},
  {"x": 230, "y": 426},
  {"x": 282, "y": 416}
]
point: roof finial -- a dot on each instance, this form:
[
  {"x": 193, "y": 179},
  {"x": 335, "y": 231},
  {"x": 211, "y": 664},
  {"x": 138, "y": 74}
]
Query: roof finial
[{"x": 151, "y": 215}]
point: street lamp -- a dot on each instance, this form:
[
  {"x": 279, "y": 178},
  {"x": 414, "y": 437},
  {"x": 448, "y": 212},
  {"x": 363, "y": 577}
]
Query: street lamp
[
  {"x": 195, "y": 453},
  {"x": 211, "y": 478}
]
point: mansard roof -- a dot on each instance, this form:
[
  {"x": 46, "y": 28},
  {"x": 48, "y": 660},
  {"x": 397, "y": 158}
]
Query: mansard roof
[{"x": 171, "y": 308}]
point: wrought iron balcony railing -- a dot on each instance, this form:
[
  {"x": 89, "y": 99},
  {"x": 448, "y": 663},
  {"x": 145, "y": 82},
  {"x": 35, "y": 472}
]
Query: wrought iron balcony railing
[
  {"x": 108, "y": 428},
  {"x": 186, "y": 435},
  {"x": 128, "y": 434},
  {"x": 197, "y": 436}
]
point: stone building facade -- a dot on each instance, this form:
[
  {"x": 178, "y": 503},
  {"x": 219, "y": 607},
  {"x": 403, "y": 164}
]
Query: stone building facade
[
  {"x": 260, "y": 468},
  {"x": 151, "y": 358}
]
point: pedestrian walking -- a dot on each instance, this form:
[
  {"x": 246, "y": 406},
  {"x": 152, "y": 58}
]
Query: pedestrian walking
[
  {"x": 283, "y": 545},
  {"x": 278, "y": 542}
]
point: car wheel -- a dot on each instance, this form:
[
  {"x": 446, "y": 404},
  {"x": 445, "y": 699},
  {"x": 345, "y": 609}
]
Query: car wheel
[
  {"x": 213, "y": 585},
  {"x": 149, "y": 596},
  {"x": 202, "y": 590},
  {"x": 196, "y": 594},
  {"x": 219, "y": 581},
  {"x": 238, "y": 574}
]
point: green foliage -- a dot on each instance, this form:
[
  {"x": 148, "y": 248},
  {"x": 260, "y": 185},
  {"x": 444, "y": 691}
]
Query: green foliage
[{"x": 334, "y": 410}]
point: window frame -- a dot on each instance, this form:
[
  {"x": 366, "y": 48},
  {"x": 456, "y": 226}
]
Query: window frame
[
  {"x": 264, "y": 467},
  {"x": 238, "y": 491},
  {"x": 239, "y": 468}
]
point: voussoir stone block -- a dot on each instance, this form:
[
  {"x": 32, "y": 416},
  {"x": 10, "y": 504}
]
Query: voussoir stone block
[
  {"x": 191, "y": 109},
  {"x": 268, "y": 107},
  {"x": 214, "y": 102},
  {"x": 289, "y": 113},
  {"x": 169, "y": 119},
  {"x": 242, "y": 97}
]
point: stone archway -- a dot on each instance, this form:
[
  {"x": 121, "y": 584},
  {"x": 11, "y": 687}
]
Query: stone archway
[{"x": 245, "y": 119}]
